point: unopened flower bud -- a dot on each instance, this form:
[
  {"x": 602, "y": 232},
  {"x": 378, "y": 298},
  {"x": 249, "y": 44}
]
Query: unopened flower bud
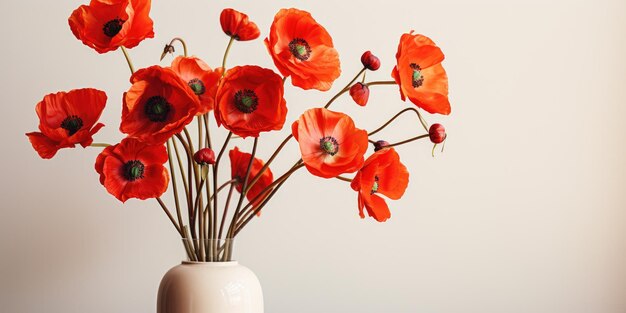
[
  {"x": 169, "y": 49},
  {"x": 360, "y": 93},
  {"x": 370, "y": 61},
  {"x": 204, "y": 156},
  {"x": 379, "y": 145},
  {"x": 437, "y": 133}
]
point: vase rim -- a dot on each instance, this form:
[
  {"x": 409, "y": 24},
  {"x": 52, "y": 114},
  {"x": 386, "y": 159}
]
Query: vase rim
[{"x": 224, "y": 263}]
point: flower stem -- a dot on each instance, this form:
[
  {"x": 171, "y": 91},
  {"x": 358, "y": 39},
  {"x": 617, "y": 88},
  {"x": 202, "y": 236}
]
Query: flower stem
[
  {"x": 130, "y": 63},
  {"x": 419, "y": 116},
  {"x": 281, "y": 181},
  {"x": 230, "y": 194},
  {"x": 407, "y": 141},
  {"x": 174, "y": 185},
  {"x": 344, "y": 90},
  {"x": 230, "y": 43},
  {"x": 386, "y": 82},
  {"x": 344, "y": 179},
  {"x": 215, "y": 191},
  {"x": 244, "y": 188},
  {"x": 267, "y": 164},
  {"x": 182, "y": 42},
  {"x": 99, "y": 145},
  {"x": 169, "y": 215}
]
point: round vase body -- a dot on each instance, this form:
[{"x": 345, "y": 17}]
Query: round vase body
[{"x": 210, "y": 287}]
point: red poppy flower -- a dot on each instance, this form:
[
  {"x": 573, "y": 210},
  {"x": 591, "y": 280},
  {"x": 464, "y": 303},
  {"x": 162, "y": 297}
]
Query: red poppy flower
[
  {"x": 133, "y": 169},
  {"x": 303, "y": 49},
  {"x": 66, "y": 119},
  {"x": 200, "y": 78},
  {"x": 250, "y": 100},
  {"x": 158, "y": 105},
  {"x": 236, "y": 24},
  {"x": 105, "y": 25},
  {"x": 419, "y": 73},
  {"x": 383, "y": 174},
  {"x": 329, "y": 142},
  {"x": 239, "y": 165}
]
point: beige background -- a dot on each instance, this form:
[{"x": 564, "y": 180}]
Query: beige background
[{"x": 524, "y": 212}]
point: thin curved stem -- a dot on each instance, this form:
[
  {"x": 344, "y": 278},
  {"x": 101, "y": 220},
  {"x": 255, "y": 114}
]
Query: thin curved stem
[
  {"x": 266, "y": 200},
  {"x": 244, "y": 187},
  {"x": 267, "y": 164},
  {"x": 230, "y": 194},
  {"x": 130, "y": 63},
  {"x": 407, "y": 141},
  {"x": 419, "y": 116},
  {"x": 230, "y": 43},
  {"x": 174, "y": 184},
  {"x": 345, "y": 89},
  {"x": 385, "y": 82},
  {"x": 169, "y": 215},
  {"x": 182, "y": 42}
]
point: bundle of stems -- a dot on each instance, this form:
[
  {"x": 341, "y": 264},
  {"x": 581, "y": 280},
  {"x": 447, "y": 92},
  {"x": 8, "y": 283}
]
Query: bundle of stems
[{"x": 208, "y": 225}]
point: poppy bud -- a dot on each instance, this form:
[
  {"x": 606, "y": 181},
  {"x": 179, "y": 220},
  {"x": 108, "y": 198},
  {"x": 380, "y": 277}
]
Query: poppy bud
[
  {"x": 169, "y": 49},
  {"x": 360, "y": 93},
  {"x": 437, "y": 133},
  {"x": 379, "y": 145},
  {"x": 370, "y": 61},
  {"x": 204, "y": 156}
]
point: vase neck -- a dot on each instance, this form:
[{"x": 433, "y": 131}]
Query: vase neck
[{"x": 226, "y": 263}]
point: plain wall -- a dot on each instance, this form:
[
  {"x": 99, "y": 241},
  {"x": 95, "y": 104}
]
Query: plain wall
[{"x": 523, "y": 212}]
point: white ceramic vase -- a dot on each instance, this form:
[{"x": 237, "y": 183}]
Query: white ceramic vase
[{"x": 210, "y": 287}]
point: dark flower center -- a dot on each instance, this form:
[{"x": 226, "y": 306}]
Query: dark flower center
[
  {"x": 418, "y": 78},
  {"x": 72, "y": 124},
  {"x": 197, "y": 86},
  {"x": 329, "y": 145},
  {"x": 157, "y": 109},
  {"x": 133, "y": 170},
  {"x": 300, "y": 49},
  {"x": 113, "y": 27},
  {"x": 375, "y": 186},
  {"x": 246, "y": 101}
]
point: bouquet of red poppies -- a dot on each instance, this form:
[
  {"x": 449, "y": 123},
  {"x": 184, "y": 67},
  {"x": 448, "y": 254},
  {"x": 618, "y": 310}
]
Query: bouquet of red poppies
[{"x": 169, "y": 114}]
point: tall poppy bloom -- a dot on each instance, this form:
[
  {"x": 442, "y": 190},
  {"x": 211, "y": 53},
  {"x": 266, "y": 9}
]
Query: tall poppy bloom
[
  {"x": 303, "y": 49},
  {"x": 329, "y": 142},
  {"x": 250, "y": 101},
  {"x": 236, "y": 25},
  {"x": 382, "y": 173},
  {"x": 239, "y": 165},
  {"x": 158, "y": 105},
  {"x": 200, "y": 78},
  {"x": 105, "y": 25},
  {"x": 420, "y": 75},
  {"x": 67, "y": 119},
  {"x": 133, "y": 169}
]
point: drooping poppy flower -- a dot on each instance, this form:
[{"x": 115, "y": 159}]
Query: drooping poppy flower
[
  {"x": 360, "y": 93},
  {"x": 133, "y": 169},
  {"x": 239, "y": 165},
  {"x": 158, "y": 105},
  {"x": 200, "y": 78},
  {"x": 420, "y": 75},
  {"x": 67, "y": 119},
  {"x": 303, "y": 49},
  {"x": 236, "y": 24},
  {"x": 329, "y": 142},
  {"x": 250, "y": 101},
  {"x": 382, "y": 173},
  {"x": 105, "y": 25}
]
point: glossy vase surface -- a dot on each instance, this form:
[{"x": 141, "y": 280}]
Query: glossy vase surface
[{"x": 210, "y": 287}]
